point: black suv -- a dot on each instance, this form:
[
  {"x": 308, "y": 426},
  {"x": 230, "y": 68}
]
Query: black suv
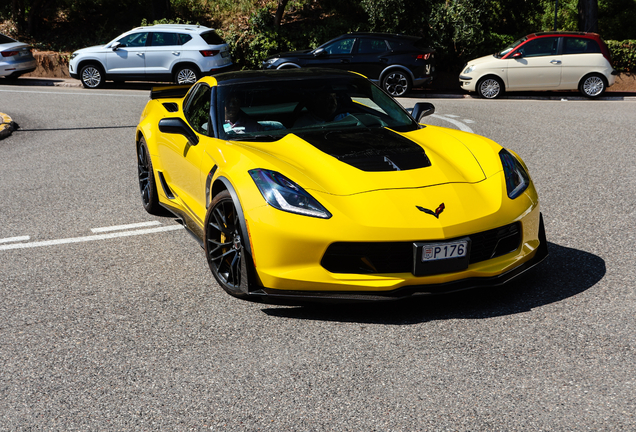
[{"x": 396, "y": 61}]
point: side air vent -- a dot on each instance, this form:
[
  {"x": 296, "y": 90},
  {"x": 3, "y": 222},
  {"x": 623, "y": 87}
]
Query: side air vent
[
  {"x": 171, "y": 106},
  {"x": 165, "y": 187}
]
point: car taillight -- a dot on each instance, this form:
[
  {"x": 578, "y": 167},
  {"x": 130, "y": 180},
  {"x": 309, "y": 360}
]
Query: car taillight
[
  {"x": 209, "y": 53},
  {"x": 422, "y": 56},
  {"x": 9, "y": 53}
]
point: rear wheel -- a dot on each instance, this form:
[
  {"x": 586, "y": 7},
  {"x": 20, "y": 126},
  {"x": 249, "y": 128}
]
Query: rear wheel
[
  {"x": 592, "y": 86},
  {"x": 225, "y": 246},
  {"x": 186, "y": 75},
  {"x": 147, "y": 185},
  {"x": 490, "y": 87},
  {"x": 91, "y": 76},
  {"x": 396, "y": 83}
]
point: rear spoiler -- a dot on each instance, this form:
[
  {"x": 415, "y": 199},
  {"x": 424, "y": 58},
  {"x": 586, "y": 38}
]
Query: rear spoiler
[{"x": 170, "y": 91}]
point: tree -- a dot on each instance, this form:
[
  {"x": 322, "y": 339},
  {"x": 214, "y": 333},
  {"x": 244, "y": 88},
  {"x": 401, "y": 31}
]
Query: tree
[
  {"x": 280, "y": 10},
  {"x": 588, "y": 15}
]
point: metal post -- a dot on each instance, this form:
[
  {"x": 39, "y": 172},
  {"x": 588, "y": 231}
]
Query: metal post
[{"x": 556, "y": 8}]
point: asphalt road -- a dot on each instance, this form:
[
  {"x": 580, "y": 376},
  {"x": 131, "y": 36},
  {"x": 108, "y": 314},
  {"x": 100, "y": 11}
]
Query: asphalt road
[{"x": 105, "y": 325}]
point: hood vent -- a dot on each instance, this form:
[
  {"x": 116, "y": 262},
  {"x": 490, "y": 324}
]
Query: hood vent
[{"x": 377, "y": 150}]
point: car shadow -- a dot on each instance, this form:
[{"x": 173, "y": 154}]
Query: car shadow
[{"x": 566, "y": 272}]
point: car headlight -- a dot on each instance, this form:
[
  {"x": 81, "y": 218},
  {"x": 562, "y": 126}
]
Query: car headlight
[
  {"x": 517, "y": 179},
  {"x": 73, "y": 55},
  {"x": 270, "y": 61},
  {"x": 283, "y": 194},
  {"x": 469, "y": 69}
]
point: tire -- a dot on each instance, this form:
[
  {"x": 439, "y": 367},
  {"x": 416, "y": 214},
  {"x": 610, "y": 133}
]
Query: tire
[
  {"x": 396, "y": 83},
  {"x": 147, "y": 184},
  {"x": 490, "y": 87},
  {"x": 225, "y": 247},
  {"x": 92, "y": 76},
  {"x": 186, "y": 75},
  {"x": 592, "y": 86}
]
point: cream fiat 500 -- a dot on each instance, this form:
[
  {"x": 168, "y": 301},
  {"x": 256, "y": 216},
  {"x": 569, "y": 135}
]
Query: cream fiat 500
[{"x": 543, "y": 61}]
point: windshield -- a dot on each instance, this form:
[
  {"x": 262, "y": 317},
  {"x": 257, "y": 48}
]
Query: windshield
[
  {"x": 510, "y": 47},
  {"x": 272, "y": 109}
]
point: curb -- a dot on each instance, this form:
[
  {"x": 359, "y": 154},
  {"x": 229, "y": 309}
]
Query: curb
[{"x": 7, "y": 126}]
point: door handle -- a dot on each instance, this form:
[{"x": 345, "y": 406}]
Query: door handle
[
  {"x": 140, "y": 54},
  {"x": 344, "y": 61},
  {"x": 556, "y": 62},
  {"x": 176, "y": 53}
]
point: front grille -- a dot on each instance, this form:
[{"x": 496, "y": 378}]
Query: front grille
[{"x": 397, "y": 257}]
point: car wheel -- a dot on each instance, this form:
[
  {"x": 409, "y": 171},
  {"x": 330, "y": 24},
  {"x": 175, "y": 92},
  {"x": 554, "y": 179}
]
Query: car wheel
[
  {"x": 224, "y": 245},
  {"x": 490, "y": 87},
  {"x": 186, "y": 75},
  {"x": 396, "y": 83},
  {"x": 592, "y": 86},
  {"x": 91, "y": 76},
  {"x": 147, "y": 184}
]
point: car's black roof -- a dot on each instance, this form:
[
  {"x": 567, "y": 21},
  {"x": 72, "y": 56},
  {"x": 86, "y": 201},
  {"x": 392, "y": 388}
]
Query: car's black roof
[
  {"x": 278, "y": 74},
  {"x": 383, "y": 35}
]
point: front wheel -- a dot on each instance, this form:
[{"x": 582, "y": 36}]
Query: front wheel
[
  {"x": 225, "y": 246},
  {"x": 396, "y": 83},
  {"x": 592, "y": 86},
  {"x": 92, "y": 76},
  {"x": 490, "y": 88},
  {"x": 147, "y": 185},
  {"x": 186, "y": 75}
]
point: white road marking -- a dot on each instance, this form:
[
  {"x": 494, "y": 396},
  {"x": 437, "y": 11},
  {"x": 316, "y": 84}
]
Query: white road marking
[
  {"x": 457, "y": 123},
  {"x": 469, "y": 121},
  {"x": 87, "y": 93},
  {"x": 124, "y": 227},
  {"x": 90, "y": 238},
  {"x": 14, "y": 239}
]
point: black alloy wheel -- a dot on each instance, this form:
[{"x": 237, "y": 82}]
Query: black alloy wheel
[
  {"x": 396, "y": 83},
  {"x": 147, "y": 185},
  {"x": 225, "y": 247}
]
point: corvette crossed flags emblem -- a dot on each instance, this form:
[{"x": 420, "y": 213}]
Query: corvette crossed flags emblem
[{"x": 435, "y": 213}]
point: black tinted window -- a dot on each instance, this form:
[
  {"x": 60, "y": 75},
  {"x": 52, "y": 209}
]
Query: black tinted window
[
  {"x": 342, "y": 46},
  {"x": 134, "y": 40},
  {"x": 211, "y": 38},
  {"x": 197, "y": 110},
  {"x": 183, "y": 38},
  {"x": 370, "y": 46},
  {"x": 5, "y": 39},
  {"x": 540, "y": 47},
  {"x": 164, "y": 39},
  {"x": 574, "y": 45}
]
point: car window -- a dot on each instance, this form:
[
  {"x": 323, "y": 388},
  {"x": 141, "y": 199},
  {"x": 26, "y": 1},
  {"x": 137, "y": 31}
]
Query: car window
[
  {"x": 197, "y": 109},
  {"x": 510, "y": 47},
  {"x": 184, "y": 38},
  {"x": 211, "y": 38},
  {"x": 134, "y": 40},
  {"x": 342, "y": 46},
  {"x": 164, "y": 39},
  {"x": 538, "y": 47},
  {"x": 371, "y": 46},
  {"x": 574, "y": 45},
  {"x": 6, "y": 39}
]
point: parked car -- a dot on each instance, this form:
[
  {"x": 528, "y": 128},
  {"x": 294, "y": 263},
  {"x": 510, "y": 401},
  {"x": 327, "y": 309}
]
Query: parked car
[
  {"x": 397, "y": 62},
  {"x": 16, "y": 58},
  {"x": 543, "y": 61},
  {"x": 315, "y": 185},
  {"x": 164, "y": 52}
]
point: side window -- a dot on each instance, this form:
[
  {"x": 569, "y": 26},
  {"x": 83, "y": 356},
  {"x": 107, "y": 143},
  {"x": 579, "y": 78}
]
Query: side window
[
  {"x": 164, "y": 39},
  {"x": 183, "y": 38},
  {"x": 197, "y": 109},
  {"x": 372, "y": 46},
  {"x": 342, "y": 46},
  {"x": 134, "y": 40},
  {"x": 538, "y": 47},
  {"x": 574, "y": 45}
]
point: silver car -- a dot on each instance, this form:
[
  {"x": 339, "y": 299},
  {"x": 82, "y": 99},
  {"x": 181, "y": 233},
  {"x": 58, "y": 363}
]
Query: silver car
[
  {"x": 180, "y": 53},
  {"x": 15, "y": 58}
]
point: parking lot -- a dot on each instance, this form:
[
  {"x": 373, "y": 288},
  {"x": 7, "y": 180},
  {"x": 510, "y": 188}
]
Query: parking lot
[{"x": 111, "y": 320}]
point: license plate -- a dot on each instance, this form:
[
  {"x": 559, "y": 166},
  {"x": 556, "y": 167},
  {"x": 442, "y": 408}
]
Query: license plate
[
  {"x": 438, "y": 251},
  {"x": 225, "y": 54},
  {"x": 441, "y": 257},
  {"x": 23, "y": 53}
]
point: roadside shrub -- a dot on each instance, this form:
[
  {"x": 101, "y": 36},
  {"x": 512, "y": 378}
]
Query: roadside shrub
[{"x": 623, "y": 55}]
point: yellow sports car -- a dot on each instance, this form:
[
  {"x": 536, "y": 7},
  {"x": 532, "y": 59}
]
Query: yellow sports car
[{"x": 315, "y": 185}]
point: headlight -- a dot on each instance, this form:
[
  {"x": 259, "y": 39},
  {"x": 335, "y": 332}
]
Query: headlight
[
  {"x": 517, "y": 179},
  {"x": 270, "y": 61},
  {"x": 283, "y": 194},
  {"x": 469, "y": 69},
  {"x": 73, "y": 55}
]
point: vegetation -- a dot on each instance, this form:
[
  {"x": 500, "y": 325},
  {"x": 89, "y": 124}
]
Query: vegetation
[{"x": 457, "y": 29}]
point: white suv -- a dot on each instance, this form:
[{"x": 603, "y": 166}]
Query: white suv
[{"x": 163, "y": 52}]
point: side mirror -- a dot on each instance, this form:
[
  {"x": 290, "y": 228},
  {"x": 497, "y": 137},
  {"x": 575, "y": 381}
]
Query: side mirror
[
  {"x": 517, "y": 55},
  {"x": 176, "y": 125},
  {"x": 115, "y": 45},
  {"x": 319, "y": 52},
  {"x": 422, "y": 109}
]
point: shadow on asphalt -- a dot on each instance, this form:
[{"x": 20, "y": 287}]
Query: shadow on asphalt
[{"x": 565, "y": 273}]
